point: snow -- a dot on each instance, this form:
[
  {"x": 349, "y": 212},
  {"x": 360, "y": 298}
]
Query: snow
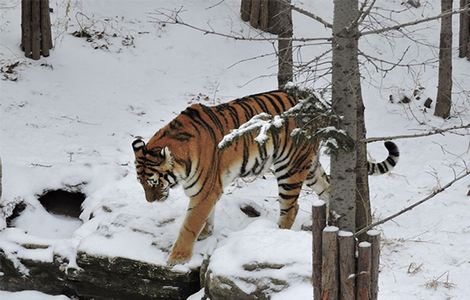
[
  {"x": 69, "y": 121},
  {"x": 30, "y": 295}
]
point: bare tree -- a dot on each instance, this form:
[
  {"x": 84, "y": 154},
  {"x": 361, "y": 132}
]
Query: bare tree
[
  {"x": 345, "y": 92},
  {"x": 444, "y": 88}
]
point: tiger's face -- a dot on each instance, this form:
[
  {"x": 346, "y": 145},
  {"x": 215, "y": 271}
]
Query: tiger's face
[{"x": 154, "y": 170}]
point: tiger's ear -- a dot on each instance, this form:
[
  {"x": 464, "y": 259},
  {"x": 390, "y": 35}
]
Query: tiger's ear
[{"x": 138, "y": 146}]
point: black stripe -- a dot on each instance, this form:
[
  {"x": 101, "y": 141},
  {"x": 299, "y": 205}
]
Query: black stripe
[
  {"x": 287, "y": 197},
  {"x": 273, "y": 103},
  {"x": 261, "y": 104},
  {"x": 245, "y": 155},
  {"x": 281, "y": 101},
  {"x": 290, "y": 186},
  {"x": 391, "y": 161}
]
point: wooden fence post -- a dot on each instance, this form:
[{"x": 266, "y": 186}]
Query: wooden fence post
[
  {"x": 373, "y": 237},
  {"x": 464, "y": 33},
  {"x": 363, "y": 271},
  {"x": 318, "y": 224},
  {"x": 36, "y": 38},
  {"x": 330, "y": 264},
  {"x": 347, "y": 265}
]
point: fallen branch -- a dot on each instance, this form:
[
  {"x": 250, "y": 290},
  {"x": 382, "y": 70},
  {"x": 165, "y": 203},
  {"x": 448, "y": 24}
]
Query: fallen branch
[
  {"x": 409, "y": 136},
  {"x": 430, "y": 196}
]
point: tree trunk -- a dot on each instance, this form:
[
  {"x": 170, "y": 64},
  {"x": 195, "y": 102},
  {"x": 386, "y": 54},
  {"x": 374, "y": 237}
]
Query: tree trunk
[
  {"x": 464, "y": 33},
  {"x": 345, "y": 90},
  {"x": 363, "y": 209},
  {"x": 444, "y": 87},
  {"x": 285, "y": 62},
  {"x": 0, "y": 180}
]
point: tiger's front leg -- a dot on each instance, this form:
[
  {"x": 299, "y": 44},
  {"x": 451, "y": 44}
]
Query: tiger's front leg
[
  {"x": 199, "y": 210},
  {"x": 208, "y": 228}
]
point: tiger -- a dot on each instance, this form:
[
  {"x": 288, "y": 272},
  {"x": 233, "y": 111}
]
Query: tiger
[{"x": 185, "y": 151}]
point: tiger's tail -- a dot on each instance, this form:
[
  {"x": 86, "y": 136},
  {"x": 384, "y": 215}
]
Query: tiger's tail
[
  {"x": 319, "y": 181},
  {"x": 388, "y": 164}
]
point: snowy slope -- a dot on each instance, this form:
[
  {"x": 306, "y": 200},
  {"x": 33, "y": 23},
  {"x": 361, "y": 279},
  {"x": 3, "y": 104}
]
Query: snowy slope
[{"x": 70, "y": 118}]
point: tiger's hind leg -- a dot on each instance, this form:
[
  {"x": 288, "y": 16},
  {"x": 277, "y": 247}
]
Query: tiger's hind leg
[
  {"x": 319, "y": 181},
  {"x": 289, "y": 185}
]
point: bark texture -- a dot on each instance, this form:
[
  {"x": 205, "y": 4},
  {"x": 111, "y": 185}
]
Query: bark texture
[
  {"x": 464, "y": 33},
  {"x": 345, "y": 90},
  {"x": 330, "y": 264},
  {"x": 363, "y": 271},
  {"x": 444, "y": 87},
  {"x": 285, "y": 61},
  {"x": 363, "y": 208},
  {"x": 318, "y": 224},
  {"x": 347, "y": 265},
  {"x": 36, "y": 38}
]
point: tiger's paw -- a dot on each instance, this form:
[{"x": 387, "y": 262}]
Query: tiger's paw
[{"x": 179, "y": 257}]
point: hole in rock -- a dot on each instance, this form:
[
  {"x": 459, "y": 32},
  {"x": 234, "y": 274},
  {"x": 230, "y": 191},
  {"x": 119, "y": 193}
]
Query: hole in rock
[{"x": 61, "y": 202}]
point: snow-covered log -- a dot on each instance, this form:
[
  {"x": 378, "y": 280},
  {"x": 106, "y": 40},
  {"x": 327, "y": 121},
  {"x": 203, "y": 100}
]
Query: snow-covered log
[{"x": 99, "y": 277}]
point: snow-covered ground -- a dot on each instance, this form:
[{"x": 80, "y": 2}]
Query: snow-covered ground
[{"x": 69, "y": 120}]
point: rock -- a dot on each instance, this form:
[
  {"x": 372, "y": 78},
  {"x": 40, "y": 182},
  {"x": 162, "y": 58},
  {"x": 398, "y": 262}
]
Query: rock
[
  {"x": 99, "y": 278},
  {"x": 263, "y": 260}
]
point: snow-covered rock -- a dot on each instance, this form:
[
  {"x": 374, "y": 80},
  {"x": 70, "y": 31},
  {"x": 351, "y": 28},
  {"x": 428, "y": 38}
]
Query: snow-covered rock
[{"x": 259, "y": 262}]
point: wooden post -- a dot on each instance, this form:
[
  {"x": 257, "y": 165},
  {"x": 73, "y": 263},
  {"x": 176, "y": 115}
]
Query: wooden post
[
  {"x": 254, "y": 15},
  {"x": 464, "y": 30},
  {"x": 36, "y": 38},
  {"x": 330, "y": 263},
  {"x": 26, "y": 27},
  {"x": 373, "y": 237},
  {"x": 245, "y": 10},
  {"x": 46, "y": 38},
  {"x": 36, "y": 29},
  {"x": 363, "y": 271},
  {"x": 347, "y": 265},
  {"x": 318, "y": 224},
  {"x": 264, "y": 15}
]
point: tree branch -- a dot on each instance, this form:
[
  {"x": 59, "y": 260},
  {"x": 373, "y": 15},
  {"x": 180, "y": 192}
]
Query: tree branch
[
  {"x": 174, "y": 18},
  {"x": 309, "y": 14},
  {"x": 400, "y": 26},
  {"x": 430, "y": 196},
  {"x": 409, "y": 136}
]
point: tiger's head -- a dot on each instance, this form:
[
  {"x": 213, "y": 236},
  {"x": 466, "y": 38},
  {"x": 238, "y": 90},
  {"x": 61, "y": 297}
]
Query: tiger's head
[{"x": 154, "y": 170}]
